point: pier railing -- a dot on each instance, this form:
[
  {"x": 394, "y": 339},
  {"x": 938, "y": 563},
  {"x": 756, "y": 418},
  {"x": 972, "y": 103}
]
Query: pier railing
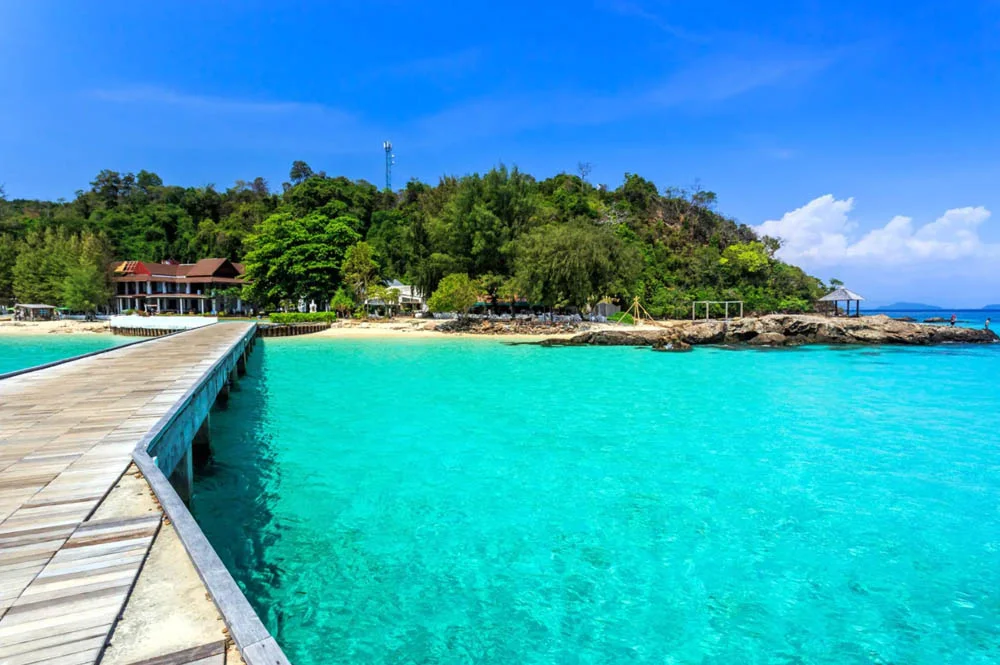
[{"x": 157, "y": 454}]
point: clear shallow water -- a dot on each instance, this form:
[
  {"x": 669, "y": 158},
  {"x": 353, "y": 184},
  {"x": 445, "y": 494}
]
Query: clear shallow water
[
  {"x": 967, "y": 318},
  {"x": 21, "y": 351},
  {"x": 467, "y": 501}
]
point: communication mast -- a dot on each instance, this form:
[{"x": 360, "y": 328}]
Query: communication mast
[{"x": 390, "y": 159}]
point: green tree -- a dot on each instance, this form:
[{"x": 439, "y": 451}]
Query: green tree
[
  {"x": 750, "y": 258},
  {"x": 377, "y": 293},
  {"x": 455, "y": 293},
  {"x": 360, "y": 269},
  {"x": 42, "y": 265},
  {"x": 391, "y": 299},
  {"x": 8, "y": 257},
  {"x": 299, "y": 172},
  {"x": 342, "y": 303},
  {"x": 298, "y": 257},
  {"x": 573, "y": 265},
  {"x": 510, "y": 290},
  {"x": 667, "y": 248},
  {"x": 84, "y": 288}
]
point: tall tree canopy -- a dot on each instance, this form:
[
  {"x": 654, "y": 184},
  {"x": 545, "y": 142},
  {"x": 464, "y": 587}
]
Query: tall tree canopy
[
  {"x": 298, "y": 257},
  {"x": 561, "y": 241}
]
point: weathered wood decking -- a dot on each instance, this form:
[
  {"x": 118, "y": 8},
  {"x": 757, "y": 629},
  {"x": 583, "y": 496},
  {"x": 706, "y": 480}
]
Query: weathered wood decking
[{"x": 66, "y": 436}]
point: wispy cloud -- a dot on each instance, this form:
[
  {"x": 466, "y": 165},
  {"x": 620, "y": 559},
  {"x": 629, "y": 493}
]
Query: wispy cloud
[
  {"x": 447, "y": 65},
  {"x": 723, "y": 78},
  {"x": 148, "y": 94},
  {"x": 705, "y": 82},
  {"x": 219, "y": 121},
  {"x": 766, "y": 145},
  {"x": 635, "y": 9}
]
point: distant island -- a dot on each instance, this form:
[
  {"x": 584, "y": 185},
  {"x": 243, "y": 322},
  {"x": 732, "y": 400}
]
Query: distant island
[
  {"x": 907, "y": 307},
  {"x": 992, "y": 307}
]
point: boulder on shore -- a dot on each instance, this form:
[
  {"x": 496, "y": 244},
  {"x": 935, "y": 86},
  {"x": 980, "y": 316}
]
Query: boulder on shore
[
  {"x": 935, "y": 319},
  {"x": 768, "y": 339}
]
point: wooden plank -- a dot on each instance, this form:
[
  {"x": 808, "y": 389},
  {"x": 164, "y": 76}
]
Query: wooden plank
[
  {"x": 59, "y": 639},
  {"x": 69, "y": 431},
  {"x": 191, "y": 656}
]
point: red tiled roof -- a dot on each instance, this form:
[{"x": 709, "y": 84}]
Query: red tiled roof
[
  {"x": 204, "y": 267},
  {"x": 218, "y": 271}
]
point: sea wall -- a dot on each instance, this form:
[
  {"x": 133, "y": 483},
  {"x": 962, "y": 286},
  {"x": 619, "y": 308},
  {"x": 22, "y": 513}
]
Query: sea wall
[
  {"x": 154, "y": 326},
  {"x": 290, "y": 329},
  {"x": 783, "y": 330}
]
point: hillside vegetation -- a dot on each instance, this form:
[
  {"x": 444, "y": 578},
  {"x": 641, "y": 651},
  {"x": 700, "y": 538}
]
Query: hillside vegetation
[{"x": 559, "y": 242}]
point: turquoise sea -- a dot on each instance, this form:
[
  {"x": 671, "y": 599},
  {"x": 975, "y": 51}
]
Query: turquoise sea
[
  {"x": 21, "y": 351},
  {"x": 967, "y": 318},
  {"x": 466, "y": 501}
]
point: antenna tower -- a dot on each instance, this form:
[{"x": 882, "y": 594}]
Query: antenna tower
[{"x": 390, "y": 159}]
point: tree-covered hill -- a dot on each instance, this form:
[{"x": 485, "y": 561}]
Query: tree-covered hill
[{"x": 559, "y": 242}]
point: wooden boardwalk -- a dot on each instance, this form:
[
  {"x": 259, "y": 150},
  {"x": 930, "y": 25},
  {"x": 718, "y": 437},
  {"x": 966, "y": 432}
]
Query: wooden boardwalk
[{"x": 66, "y": 437}]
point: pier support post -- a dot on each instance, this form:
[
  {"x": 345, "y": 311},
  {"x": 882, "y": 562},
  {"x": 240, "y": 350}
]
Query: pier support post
[
  {"x": 241, "y": 364},
  {"x": 201, "y": 447},
  {"x": 182, "y": 477},
  {"x": 222, "y": 399}
]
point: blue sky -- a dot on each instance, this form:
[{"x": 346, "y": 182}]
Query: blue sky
[{"x": 828, "y": 123}]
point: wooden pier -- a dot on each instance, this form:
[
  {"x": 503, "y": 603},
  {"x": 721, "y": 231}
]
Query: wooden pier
[{"x": 69, "y": 560}]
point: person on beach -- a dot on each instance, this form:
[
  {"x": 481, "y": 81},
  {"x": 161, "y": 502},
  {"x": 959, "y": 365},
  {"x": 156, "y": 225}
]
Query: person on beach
[
  {"x": 953, "y": 319},
  {"x": 987, "y": 326}
]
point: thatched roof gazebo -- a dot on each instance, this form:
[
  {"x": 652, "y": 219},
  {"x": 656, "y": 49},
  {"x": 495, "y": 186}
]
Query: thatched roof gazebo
[{"x": 844, "y": 295}]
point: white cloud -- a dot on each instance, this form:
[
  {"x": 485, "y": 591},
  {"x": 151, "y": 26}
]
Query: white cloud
[{"x": 821, "y": 233}]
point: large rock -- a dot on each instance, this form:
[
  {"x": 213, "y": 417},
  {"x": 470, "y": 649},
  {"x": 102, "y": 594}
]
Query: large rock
[
  {"x": 768, "y": 339},
  {"x": 612, "y": 338},
  {"x": 788, "y": 330},
  {"x": 704, "y": 332}
]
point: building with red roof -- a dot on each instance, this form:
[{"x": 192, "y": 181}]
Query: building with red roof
[{"x": 181, "y": 288}]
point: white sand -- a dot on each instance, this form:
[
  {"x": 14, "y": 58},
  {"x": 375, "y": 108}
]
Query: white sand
[
  {"x": 55, "y": 327},
  {"x": 396, "y": 328},
  {"x": 427, "y": 329}
]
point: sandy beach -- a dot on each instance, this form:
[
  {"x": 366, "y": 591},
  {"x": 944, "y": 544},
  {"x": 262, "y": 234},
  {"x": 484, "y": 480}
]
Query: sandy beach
[
  {"x": 66, "y": 326},
  {"x": 347, "y": 329},
  {"x": 426, "y": 329}
]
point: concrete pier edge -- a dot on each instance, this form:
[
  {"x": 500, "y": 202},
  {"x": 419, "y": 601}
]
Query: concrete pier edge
[{"x": 255, "y": 643}]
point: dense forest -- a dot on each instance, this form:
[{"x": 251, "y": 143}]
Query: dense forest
[{"x": 559, "y": 243}]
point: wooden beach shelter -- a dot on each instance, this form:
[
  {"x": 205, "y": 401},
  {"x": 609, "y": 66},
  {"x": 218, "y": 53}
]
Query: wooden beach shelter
[
  {"x": 846, "y": 296},
  {"x": 34, "y": 312}
]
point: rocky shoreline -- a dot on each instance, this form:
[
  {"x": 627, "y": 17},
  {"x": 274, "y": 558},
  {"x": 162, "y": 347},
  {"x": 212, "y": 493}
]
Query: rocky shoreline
[{"x": 780, "y": 330}]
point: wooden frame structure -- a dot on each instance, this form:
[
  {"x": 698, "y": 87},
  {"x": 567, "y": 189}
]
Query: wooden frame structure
[{"x": 708, "y": 304}]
